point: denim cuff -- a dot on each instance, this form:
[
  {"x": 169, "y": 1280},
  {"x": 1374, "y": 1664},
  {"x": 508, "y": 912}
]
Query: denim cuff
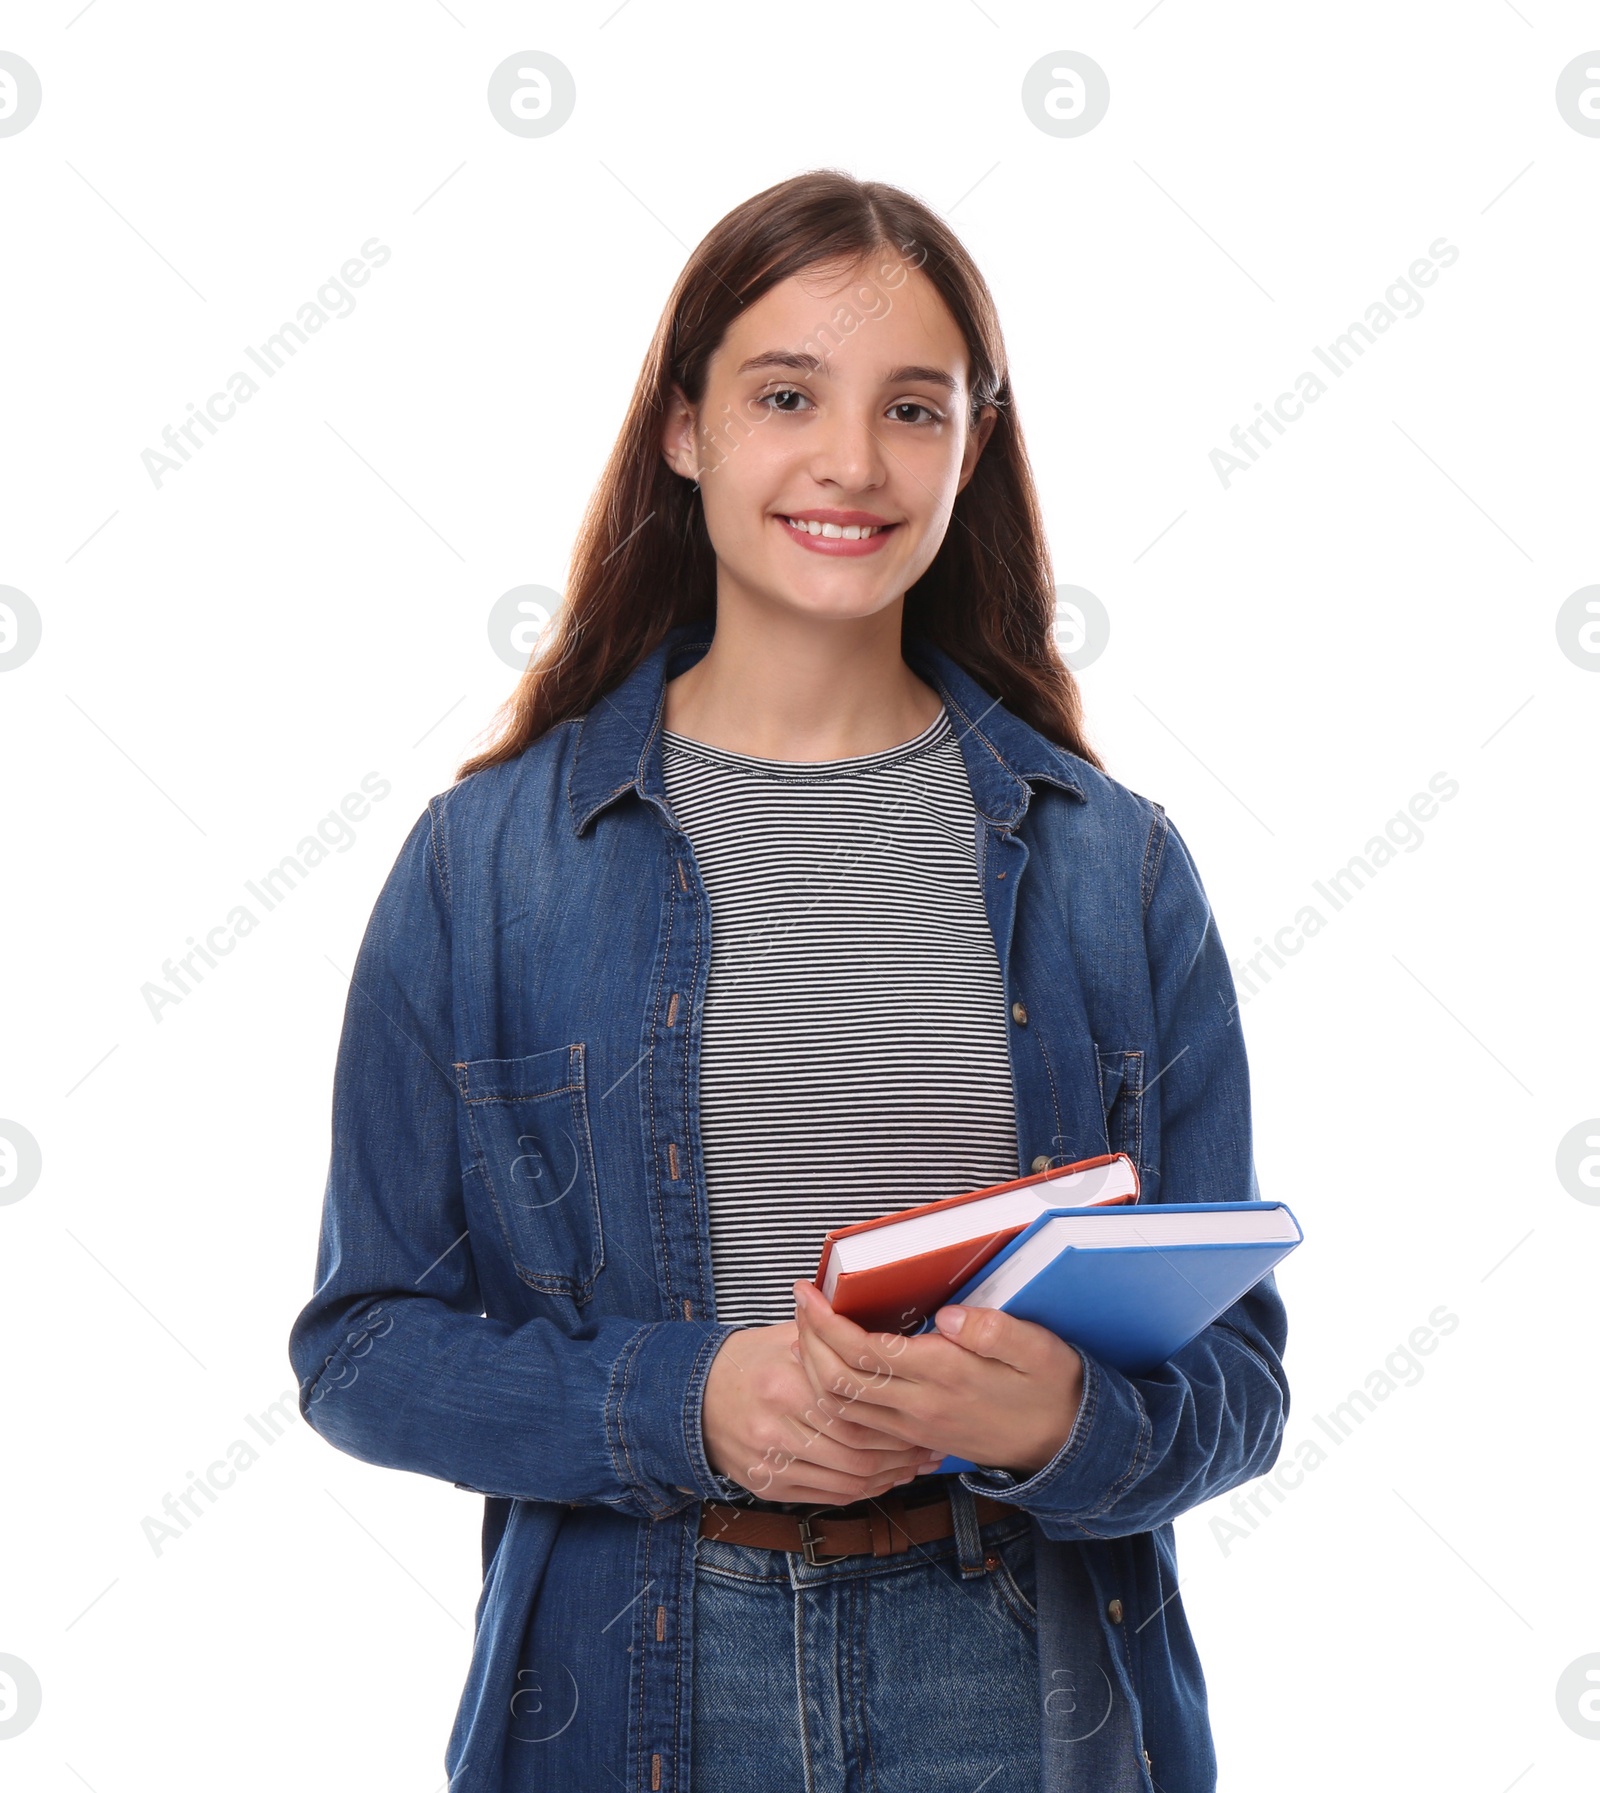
[{"x": 653, "y": 1413}]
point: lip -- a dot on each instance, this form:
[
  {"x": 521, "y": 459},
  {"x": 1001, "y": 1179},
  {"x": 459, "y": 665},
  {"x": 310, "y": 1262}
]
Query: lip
[{"x": 836, "y": 546}]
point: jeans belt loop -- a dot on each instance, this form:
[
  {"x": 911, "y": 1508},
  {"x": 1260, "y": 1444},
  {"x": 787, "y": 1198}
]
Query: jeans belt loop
[{"x": 969, "y": 1546}]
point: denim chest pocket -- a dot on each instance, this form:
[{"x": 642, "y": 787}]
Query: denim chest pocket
[
  {"x": 1122, "y": 1098},
  {"x": 528, "y": 1121}
]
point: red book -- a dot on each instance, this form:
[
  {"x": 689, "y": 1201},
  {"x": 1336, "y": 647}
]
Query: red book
[{"x": 889, "y": 1274}]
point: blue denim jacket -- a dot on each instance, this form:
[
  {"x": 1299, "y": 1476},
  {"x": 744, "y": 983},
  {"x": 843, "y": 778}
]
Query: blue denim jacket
[{"x": 514, "y": 1289}]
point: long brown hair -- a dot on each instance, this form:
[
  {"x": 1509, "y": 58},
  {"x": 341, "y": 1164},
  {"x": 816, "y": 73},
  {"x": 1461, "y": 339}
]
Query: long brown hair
[{"x": 643, "y": 561}]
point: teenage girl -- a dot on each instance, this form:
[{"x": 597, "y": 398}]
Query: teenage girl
[{"x": 720, "y": 945}]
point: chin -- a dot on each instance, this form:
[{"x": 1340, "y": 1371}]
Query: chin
[
  {"x": 839, "y": 591},
  {"x": 842, "y": 608}
]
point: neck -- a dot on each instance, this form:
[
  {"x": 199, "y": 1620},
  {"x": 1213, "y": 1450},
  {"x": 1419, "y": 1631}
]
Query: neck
[{"x": 792, "y": 687}]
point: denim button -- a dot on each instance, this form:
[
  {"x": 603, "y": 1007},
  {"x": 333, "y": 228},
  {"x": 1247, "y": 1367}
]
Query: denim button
[
  {"x": 1019, "y": 1014},
  {"x": 1114, "y": 1612},
  {"x": 1040, "y": 1163}
]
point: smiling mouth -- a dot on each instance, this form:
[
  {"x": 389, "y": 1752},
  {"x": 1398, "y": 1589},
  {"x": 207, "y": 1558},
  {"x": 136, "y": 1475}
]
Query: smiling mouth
[{"x": 848, "y": 532}]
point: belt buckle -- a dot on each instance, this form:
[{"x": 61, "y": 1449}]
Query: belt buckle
[{"x": 808, "y": 1544}]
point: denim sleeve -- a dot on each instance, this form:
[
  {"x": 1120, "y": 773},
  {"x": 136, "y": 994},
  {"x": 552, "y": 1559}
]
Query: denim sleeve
[
  {"x": 1144, "y": 1449},
  {"x": 396, "y": 1361}
]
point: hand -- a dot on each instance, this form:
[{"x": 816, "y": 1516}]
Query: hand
[
  {"x": 762, "y": 1426},
  {"x": 987, "y": 1386}
]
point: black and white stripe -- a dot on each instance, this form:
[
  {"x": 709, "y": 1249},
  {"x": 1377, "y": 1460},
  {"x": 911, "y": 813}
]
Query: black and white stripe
[{"x": 854, "y": 1053}]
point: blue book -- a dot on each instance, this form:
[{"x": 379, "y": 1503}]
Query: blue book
[{"x": 1130, "y": 1286}]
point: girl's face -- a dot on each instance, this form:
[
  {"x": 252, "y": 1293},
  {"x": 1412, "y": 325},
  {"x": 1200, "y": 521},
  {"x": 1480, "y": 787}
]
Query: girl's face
[{"x": 839, "y": 403}]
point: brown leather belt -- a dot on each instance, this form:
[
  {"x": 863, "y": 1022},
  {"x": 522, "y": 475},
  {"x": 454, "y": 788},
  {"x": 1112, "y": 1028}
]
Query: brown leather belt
[{"x": 825, "y": 1534}]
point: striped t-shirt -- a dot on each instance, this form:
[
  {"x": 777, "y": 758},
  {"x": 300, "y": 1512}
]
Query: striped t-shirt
[{"x": 854, "y": 1055}]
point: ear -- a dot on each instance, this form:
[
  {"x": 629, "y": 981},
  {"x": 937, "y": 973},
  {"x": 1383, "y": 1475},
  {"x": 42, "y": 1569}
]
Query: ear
[
  {"x": 976, "y": 437},
  {"x": 677, "y": 435}
]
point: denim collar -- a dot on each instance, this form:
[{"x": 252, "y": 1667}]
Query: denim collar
[{"x": 619, "y": 739}]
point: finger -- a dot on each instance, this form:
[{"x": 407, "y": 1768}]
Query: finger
[
  {"x": 875, "y": 1356},
  {"x": 804, "y": 1354},
  {"x": 827, "y": 1340},
  {"x": 873, "y": 1390},
  {"x": 833, "y": 1494},
  {"x": 821, "y": 1486},
  {"x": 885, "y": 1377},
  {"x": 814, "y": 1367},
  {"x": 866, "y": 1467},
  {"x": 894, "y": 1355},
  {"x": 848, "y": 1420},
  {"x": 990, "y": 1332},
  {"x": 829, "y": 1374},
  {"x": 826, "y": 1421},
  {"x": 873, "y": 1352},
  {"x": 851, "y": 1433},
  {"x": 844, "y": 1474}
]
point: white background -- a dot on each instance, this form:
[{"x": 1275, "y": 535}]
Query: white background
[{"x": 225, "y": 656}]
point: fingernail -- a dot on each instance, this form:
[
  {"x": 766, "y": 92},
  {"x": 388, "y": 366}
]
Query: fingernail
[{"x": 951, "y": 1319}]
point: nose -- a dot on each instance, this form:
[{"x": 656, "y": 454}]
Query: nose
[{"x": 847, "y": 450}]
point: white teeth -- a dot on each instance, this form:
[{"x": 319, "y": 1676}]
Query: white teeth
[{"x": 850, "y": 532}]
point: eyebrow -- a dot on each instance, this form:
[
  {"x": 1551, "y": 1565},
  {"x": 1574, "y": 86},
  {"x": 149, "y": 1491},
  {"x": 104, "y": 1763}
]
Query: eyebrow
[{"x": 932, "y": 376}]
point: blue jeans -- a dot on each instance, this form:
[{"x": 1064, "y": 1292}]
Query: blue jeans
[{"x": 911, "y": 1673}]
